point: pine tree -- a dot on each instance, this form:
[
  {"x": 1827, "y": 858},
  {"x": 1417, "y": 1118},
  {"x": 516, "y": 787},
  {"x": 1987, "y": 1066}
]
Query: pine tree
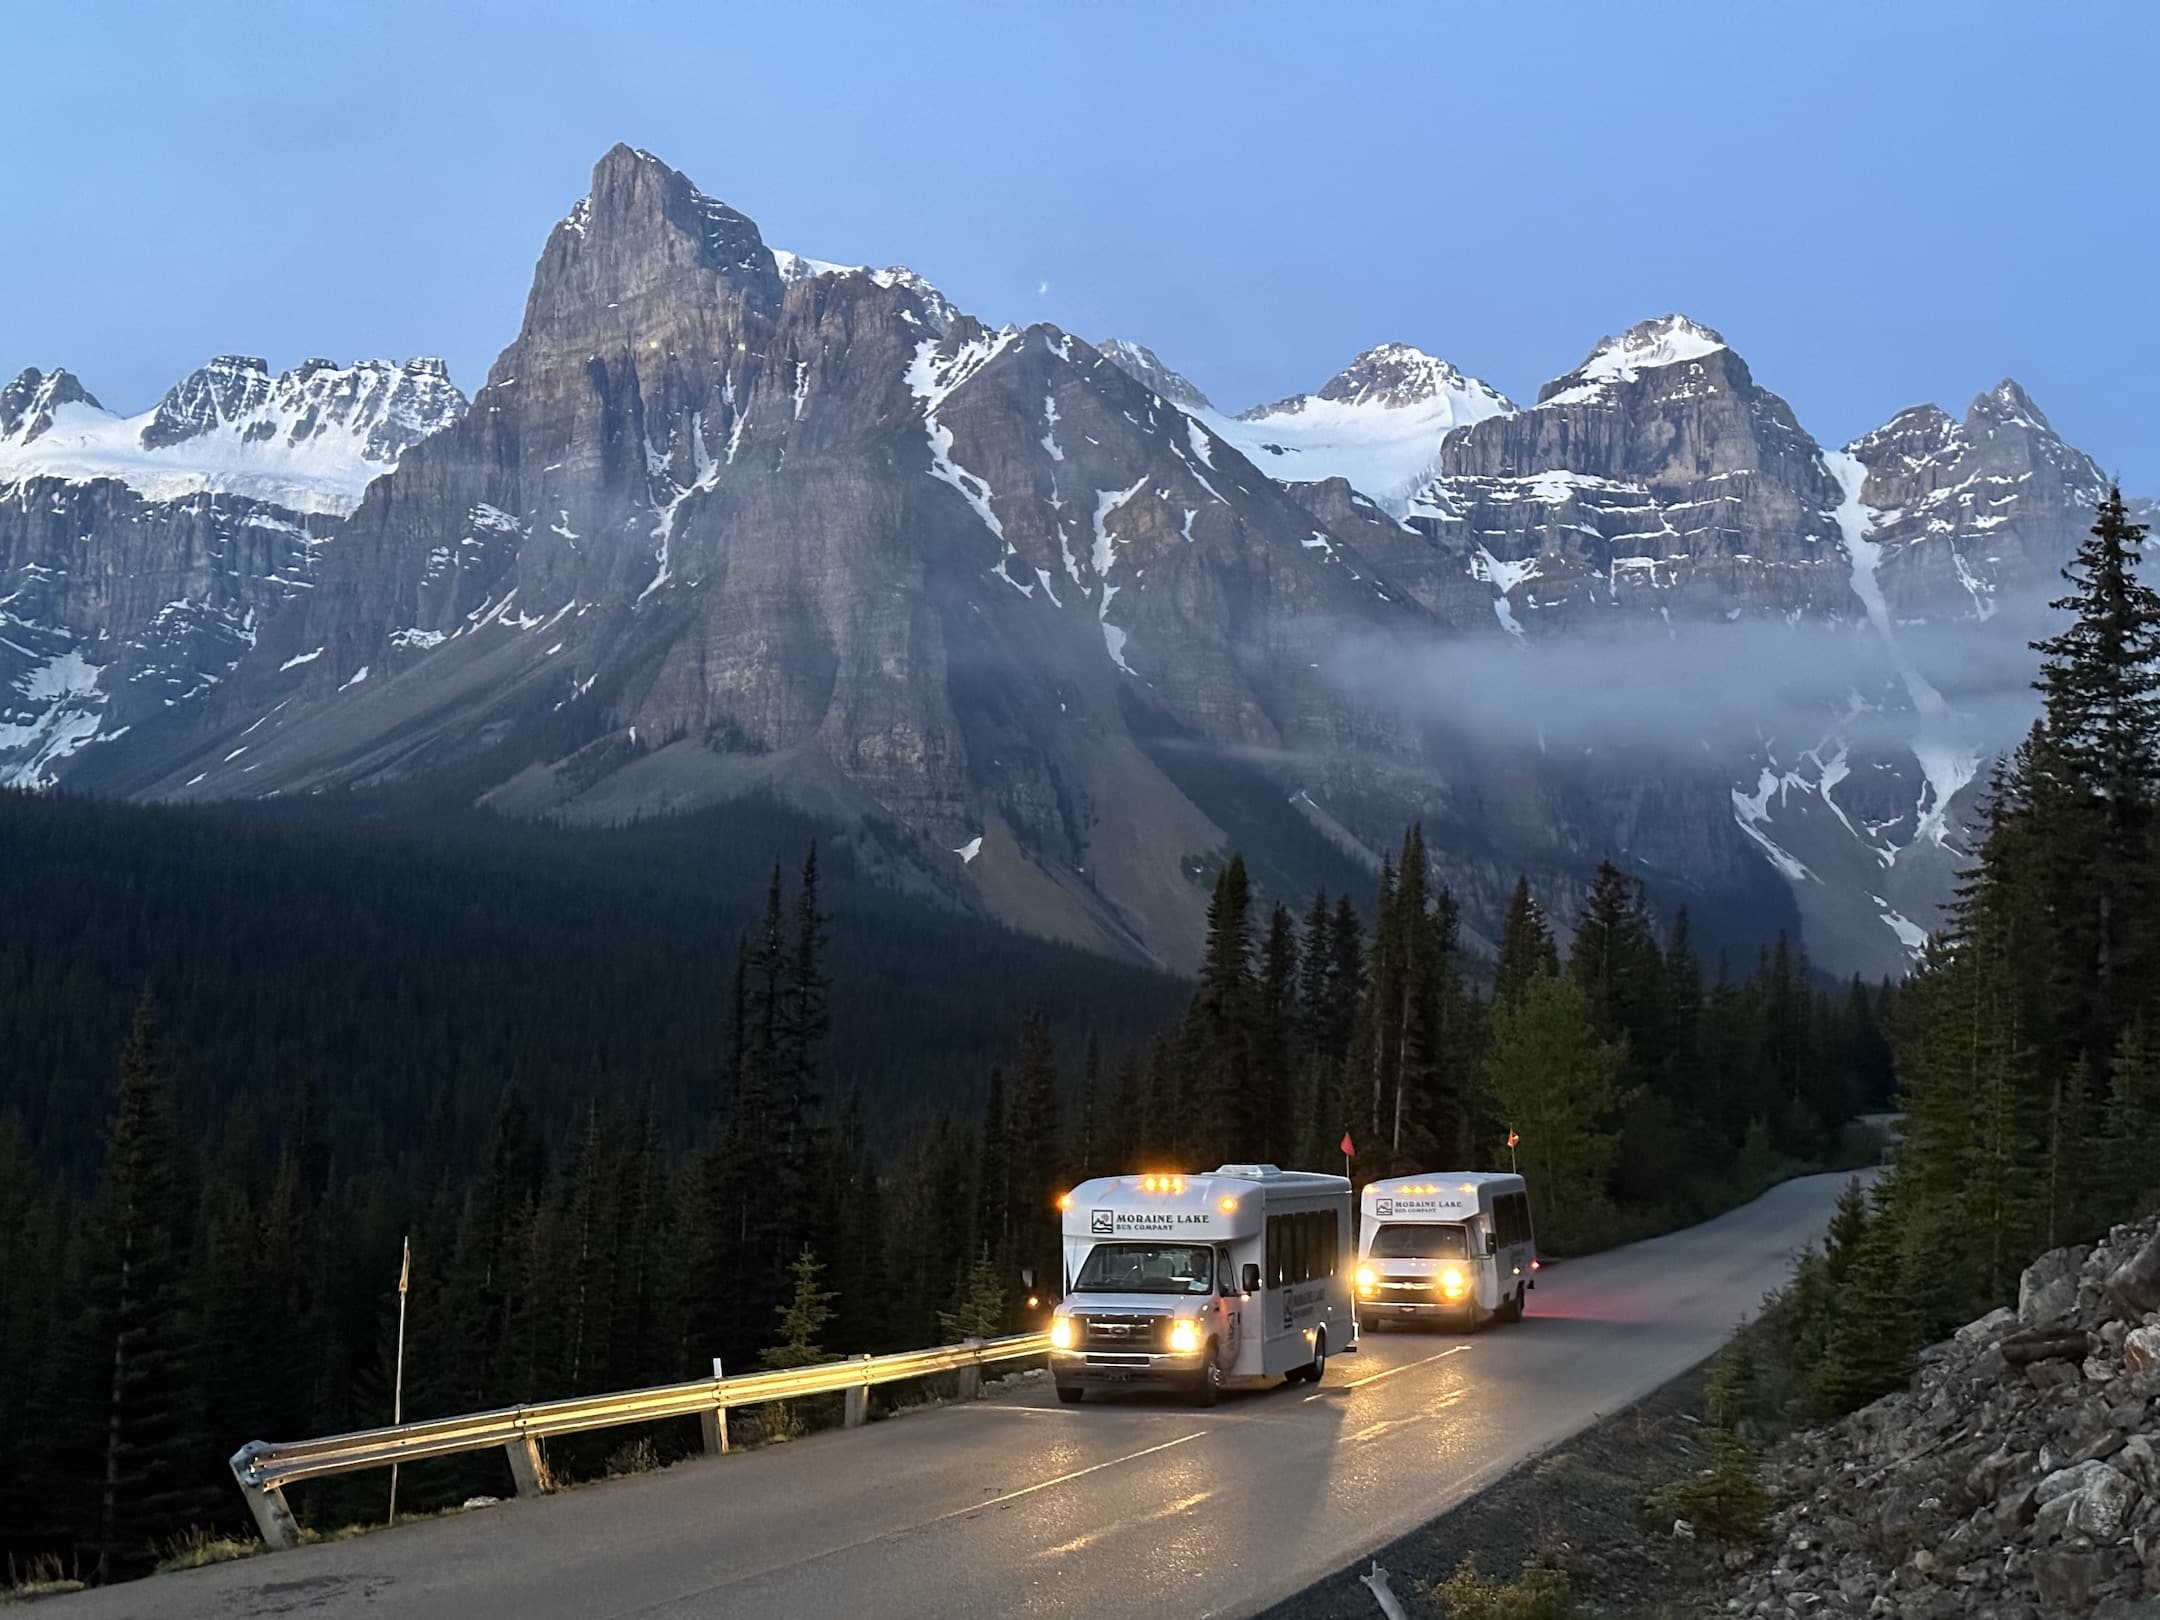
[
  {"x": 804, "y": 1317},
  {"x": 2130, "y": 1159},
  {"x": 1874, "y": 1331},
  {"x": 1526, "y": 946},
  {"x": 978, "y": 1311},
  {"x": 2099, "y": 777},
  {"x": 1220, "y": 1118},
  {"x": 132, "y": 1334},
  {"x": 1275, "y": 1047},
  {"x": 1556, "y": 1082},
  {"x": 993, "y": 1174},
  {"x": 1036, "y": 1169},
  {"x": 1087, "y": 1138}
]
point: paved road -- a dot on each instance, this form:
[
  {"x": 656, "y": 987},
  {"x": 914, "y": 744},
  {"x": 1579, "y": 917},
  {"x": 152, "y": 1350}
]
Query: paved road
[{"x": 1019, "y": 1506}]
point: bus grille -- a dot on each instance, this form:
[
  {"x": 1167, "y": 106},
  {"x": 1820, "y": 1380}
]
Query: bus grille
[{"x": 1112, "y": 1331}]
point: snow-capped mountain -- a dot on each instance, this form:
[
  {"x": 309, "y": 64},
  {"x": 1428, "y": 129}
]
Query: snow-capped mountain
[
  {"x": 1030, "y": 612},
  {"x": 1378, "y": 424},
  {"x": 308, "y": 440},
  {"x": 139, "y": 555}
]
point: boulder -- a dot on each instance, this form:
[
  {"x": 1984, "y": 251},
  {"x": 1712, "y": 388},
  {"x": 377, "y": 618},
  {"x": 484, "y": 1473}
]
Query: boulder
[
  {"x": 2134, "y": 1288},
  {"x": 2065, "y": 1581},
  {"x": 2048, "y": 1288},
  {"x": 2141, "y": 1349}
]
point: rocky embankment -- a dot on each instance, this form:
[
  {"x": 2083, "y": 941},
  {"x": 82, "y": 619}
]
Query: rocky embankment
[{"x": 2018, "y": 1478}]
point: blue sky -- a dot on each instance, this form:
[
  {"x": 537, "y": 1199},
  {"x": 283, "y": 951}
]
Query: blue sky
[{"x": 1877, "y": 203}]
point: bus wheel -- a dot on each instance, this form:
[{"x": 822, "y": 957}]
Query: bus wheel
[
  {"x": 1072, "y": 1394},
  {"x": 1207, "y": 1388},
  {"x": 1316, "y": 1369},
  {"x": 1512, "y": 1310}
]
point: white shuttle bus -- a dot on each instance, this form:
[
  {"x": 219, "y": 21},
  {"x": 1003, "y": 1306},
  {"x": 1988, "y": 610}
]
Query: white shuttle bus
[
  {"x": 1452, "y": 1246},
  {"x": 1194, "y": 1282}
]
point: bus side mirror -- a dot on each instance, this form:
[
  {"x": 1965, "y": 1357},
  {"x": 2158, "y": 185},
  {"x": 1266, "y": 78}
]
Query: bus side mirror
[{"x": 1250, "y": 1282}]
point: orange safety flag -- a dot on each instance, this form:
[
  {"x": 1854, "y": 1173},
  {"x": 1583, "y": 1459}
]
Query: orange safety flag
[
  {"x": 1512, "y": 1139},
  {"x": 1347, "y": 1149}
]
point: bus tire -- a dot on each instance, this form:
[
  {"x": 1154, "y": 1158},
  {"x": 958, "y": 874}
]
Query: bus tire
[
  {"x": 1316, "y": 1369},
  {"x": 1207, "y": 1387},
  {"x": 1072, "y": 1394}
]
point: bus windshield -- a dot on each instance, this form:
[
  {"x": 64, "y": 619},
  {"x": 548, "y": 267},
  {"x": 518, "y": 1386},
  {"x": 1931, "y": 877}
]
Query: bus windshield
[
  {"x": 1419, "y": 1240},
  {"x": 1147, "y": 1268}
]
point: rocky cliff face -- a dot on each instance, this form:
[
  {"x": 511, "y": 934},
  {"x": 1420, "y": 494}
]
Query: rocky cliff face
[{"x": 728, "y": 519}]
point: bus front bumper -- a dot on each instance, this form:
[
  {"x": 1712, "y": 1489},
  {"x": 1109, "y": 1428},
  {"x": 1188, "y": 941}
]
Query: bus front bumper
[
  {"x": 1400, "y": 1304},
  {"x": 1127, "y": 1369}
]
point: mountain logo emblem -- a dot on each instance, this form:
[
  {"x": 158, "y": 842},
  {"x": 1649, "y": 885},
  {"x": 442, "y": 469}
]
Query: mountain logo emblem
[{"x": 1102, "y": 1223}]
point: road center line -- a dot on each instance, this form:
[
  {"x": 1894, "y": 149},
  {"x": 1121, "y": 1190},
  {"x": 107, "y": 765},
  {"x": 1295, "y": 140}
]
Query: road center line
[
  {"x": 967, "y": 1511},
  {"x": 1390, "y": 1372}
]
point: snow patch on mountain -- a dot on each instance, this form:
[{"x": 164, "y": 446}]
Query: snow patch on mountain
[
  {"x": 55, "y": 712},
  {"x": 932, "y": 375}
]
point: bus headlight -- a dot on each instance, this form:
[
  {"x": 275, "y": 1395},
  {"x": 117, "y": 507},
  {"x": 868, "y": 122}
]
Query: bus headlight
[
  {"x": 1451, "y": 1280},
  {"x": 1365, "y": 1278},
  {"x": 1061, "y": 1333},
  {"x": 1184, "y": 1337}
]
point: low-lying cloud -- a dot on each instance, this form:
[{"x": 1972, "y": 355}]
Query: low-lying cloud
[{"x": 1722, "y": 686}]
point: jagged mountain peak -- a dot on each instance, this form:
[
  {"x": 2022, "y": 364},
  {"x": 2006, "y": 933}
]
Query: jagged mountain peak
[
  {"x": 1397, "y": 375},
  {"x": 27, "y": 404},
  {"x": 644, "y": 227},
  {"x": 2008, "y": 405},
  {"x": 1145, "y": 366},
  {"x": 1664, "y": 340},
  {"x": 798, "y": 267},
  {"x": 373, "y": 408}
]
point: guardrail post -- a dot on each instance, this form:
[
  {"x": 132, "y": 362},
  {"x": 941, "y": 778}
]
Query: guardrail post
[
  {"x": 280, "y": 1532},
  {"x": 857, "y": 1411},
  {"x": 970, "y": 1376},
  {"x": 528, "y": 1468},
  {"x": 712, "y": 1423}
]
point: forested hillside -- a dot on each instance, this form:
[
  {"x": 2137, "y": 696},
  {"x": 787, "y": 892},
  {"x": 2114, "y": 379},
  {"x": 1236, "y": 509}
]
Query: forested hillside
[
  {"x": 221, "y": 1262},
  {"x": 404, "y": 974}
]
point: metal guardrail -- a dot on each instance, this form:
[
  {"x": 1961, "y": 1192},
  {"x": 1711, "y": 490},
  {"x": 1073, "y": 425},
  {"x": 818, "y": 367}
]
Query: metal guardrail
[{"x": 264, "y": 1468}]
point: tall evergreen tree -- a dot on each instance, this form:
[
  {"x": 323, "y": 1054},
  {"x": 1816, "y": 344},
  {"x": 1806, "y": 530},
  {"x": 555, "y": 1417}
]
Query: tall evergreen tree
[
  {"x": 1036, "y": 1150},
  {"x": 1555, "y": 1080},
  {"x": 132, "y": 1345},
  {"x": 2099, "y": 779},
  {"x": 1526, "y": 946}
]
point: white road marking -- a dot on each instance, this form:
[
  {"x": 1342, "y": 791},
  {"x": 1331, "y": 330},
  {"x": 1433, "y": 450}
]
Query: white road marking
[
  {"x": 1388, "y": 1372},
  {"x": 966, "y": 1512},
  {"x": 1168, "y": 1510}
]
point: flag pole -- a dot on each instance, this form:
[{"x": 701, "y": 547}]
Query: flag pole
[{"x": 397, "y": 1399}]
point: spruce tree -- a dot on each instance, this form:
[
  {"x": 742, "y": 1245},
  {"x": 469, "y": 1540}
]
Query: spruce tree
[
  {"x": 803, "y": 1317},
  {"x": 2130, "y": 1159},
  {"x": 132, "y": 1341},
  {"x": 1221, "y": 1117},
  {"x": 1874, "y": 1330},
  {"x": 1274, "y": 1042},
  {"x": 1036, "y": 1151},
  {"x": 2099, "y": 773},
  {"x": 1555, "y": 1081},
  {"x": 993, "y": 1174},
  {"x": 1526, "y": 946},
  {"x": 978, "y": 1310}
]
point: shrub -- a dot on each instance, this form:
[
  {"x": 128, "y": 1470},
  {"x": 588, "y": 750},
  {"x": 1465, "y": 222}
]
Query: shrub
[{"x": 1536, "y": 1594}]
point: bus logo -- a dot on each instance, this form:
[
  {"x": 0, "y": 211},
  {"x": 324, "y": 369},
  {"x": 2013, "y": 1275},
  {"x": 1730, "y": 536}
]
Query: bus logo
[
  {"x": 1383, "y": 1207},
  {"x": 1102, "y": 1223}
]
